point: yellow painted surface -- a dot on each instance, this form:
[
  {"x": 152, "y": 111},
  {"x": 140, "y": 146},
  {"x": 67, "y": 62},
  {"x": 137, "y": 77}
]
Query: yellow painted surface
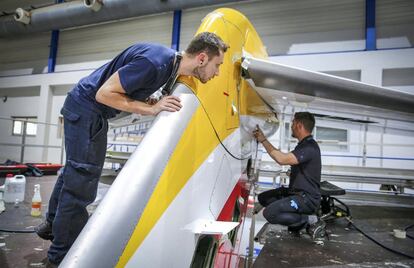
[{"x": 199, "y": 140}]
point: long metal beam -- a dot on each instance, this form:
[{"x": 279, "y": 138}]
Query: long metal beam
[
  {"x": 175, "y": 40},
  {"x": 54, "y": 41},
  {"x": 80, "y": 13},
  {"x": 370, "y": 30},
  {"x": 400, "y": 177}
]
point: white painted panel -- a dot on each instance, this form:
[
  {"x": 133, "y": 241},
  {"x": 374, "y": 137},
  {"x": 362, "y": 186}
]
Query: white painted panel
[
  {"x": 93, "y": 43},
  {"x": 28, "y": 51},
  {"x": 192, "y": 203},
  {"x": 105, "y": 41},
  {"x": 282, "y": 24},
  {"x": 222, "y": 187},
  {"x": 395, "y": 19}
]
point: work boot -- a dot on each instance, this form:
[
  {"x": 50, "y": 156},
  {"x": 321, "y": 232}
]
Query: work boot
[
  {"x": 48, "y": 264},
  {"x": 316, "y": 230},
  {"x": 295, "y": 230},
  {"x": 44, "y": 230}
]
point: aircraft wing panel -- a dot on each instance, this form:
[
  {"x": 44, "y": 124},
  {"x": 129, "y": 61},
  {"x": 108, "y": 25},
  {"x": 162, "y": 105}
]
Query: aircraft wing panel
[
  {"x": 271, "y": 75},
  {"x": 104, "y": 238}
]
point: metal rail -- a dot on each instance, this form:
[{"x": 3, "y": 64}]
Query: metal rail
[{"x": 399, "y": 177}]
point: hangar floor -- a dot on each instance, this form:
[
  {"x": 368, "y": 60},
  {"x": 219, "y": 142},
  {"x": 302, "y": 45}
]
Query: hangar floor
[{"x": 345, "y": 248}]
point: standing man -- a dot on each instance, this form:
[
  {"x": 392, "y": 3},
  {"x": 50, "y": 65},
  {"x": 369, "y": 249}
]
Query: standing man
[
  {"x": 291, "y": 206},
  {"x": 123, "y": 84}
]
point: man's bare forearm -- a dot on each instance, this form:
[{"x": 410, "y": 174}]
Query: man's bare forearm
[
  {"x": 272, "y": 151},
  {"x": 280, "y": 157},
  {"x": 122, "y": 102}
]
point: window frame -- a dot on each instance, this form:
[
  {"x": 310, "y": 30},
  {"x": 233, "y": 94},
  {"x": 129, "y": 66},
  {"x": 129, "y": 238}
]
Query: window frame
[
  {"x": 325, "y": 142},
  {"x": 22, "y": 119}
]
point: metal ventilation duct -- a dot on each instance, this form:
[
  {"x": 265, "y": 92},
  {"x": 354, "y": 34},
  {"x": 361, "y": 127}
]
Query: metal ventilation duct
[{"x": 84, "y": 12}]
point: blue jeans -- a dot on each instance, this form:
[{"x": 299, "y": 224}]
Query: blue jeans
[
  {"x": 286, "y": 208},
  {"x": 76, "y": 187}
]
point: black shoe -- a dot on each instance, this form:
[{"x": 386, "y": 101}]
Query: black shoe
[
  {"x": 295, "y": 231},
  {"x": 44, "y": 230},
  {"x": 316, "y": 230},
  {"x": 49, "y": 264}
]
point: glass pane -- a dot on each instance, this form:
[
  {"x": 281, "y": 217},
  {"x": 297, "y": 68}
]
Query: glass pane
[
  {"x": 326, "y": 133},
  {"x": 17, "y": 127},
  {"x": 31, "y": 129}
]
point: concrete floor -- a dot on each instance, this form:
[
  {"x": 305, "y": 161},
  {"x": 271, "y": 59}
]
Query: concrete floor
[
  {"x": 345, "y": 248},
  {"x": 27, "y": 249},
  {"x": 24, "y": 250}
]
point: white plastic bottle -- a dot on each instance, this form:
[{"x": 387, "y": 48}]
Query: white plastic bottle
[
  {"x": 14, "y": 188},
  {"x": 36, "y": 202}
]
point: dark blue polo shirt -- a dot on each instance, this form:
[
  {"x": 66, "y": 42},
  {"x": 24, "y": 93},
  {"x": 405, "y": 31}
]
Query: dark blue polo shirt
[
  {"x": 306, "y": 176},
  {"x": 143, "y": 68}
]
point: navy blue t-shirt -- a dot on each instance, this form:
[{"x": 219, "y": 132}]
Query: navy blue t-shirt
[
  {"x": 306, "y": 176},
  {"x": 143, "y": 68}
]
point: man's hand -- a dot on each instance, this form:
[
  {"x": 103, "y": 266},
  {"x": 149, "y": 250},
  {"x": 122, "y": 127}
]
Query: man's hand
[
  {"x": 258, "y": 134},
  {"x": 169, "y": 104}
]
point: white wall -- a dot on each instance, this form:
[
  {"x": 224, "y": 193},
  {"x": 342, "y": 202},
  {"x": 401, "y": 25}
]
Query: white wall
[
  {"x": 44, "y": 103},
  {"x": 17, "y": 106}
]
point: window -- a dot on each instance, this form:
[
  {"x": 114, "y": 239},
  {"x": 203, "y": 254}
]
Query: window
[
  {"x": 18, "y": 126},
  {"x": 332, "y": 139}
]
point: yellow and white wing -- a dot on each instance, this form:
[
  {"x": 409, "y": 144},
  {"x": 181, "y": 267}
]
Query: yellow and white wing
[{"x": 275, "y": 82}]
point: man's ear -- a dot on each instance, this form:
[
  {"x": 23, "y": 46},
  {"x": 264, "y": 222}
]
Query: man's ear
[{"x": 202, "y": 59}]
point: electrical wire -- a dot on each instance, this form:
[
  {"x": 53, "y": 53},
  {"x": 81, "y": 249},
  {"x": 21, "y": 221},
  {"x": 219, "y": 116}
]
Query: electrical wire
[
  {"x": 378, "y": 243},
  {"x": 407, "y": 228},
  {"x": 217, "y": 135}
]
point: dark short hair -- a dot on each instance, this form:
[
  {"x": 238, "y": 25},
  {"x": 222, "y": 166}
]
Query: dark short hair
[
  {"x": 307, "y": 119},
  {"x": 207, "y": 42}
]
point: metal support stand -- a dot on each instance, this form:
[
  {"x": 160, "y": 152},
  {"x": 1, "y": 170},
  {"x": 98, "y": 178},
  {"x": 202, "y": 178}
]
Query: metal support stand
[
  {"x": 23, "y": 141},
  {"x": 253, "y": 178}
]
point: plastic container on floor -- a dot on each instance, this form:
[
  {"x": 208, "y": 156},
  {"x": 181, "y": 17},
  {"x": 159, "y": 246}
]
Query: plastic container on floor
[{"x": 14, "y": 188}]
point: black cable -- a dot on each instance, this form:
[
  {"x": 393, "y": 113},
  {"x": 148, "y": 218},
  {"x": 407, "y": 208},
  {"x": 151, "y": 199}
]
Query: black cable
[
  {"x": 17, "y": 231},
  {"x": 217, "y": 135},
  {"x": 378, "y": 243},
  {"x": 166, "y": 88},
  {"x": 407, "y": 228}
]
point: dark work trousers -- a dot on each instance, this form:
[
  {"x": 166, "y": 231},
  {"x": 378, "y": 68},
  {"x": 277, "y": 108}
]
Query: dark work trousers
[
  {"x": 286, "y": 208},
  {"x": 76, "y": 187}
]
